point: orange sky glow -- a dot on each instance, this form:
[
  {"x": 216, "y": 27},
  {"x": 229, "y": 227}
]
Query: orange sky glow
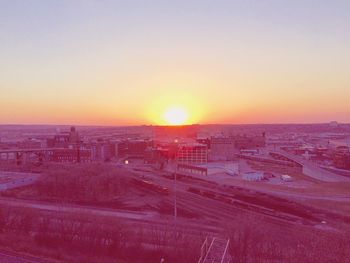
[{"x": 85, "y": 62}]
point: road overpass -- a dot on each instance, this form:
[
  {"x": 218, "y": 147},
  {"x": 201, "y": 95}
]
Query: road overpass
[
  {"x": 311, "y": 169},
  {"x": 21, "y": 155}
]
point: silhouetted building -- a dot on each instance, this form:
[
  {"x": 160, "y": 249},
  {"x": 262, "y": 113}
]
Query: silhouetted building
[
  {"x": 221, "y": 148},
  {"x": 156, "y": 155},
  {"x": 251, "y": 141},
  {"x": 182, "y": 131},
  {"x": 102, "y": 150},
  {"x": 136, "y": 148},
  {"x": 73, "y": 136},
  {"x": 64, "y": 139}
]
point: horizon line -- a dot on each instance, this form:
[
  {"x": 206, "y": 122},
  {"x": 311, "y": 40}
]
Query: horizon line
[{"x": 161, "y": 125}]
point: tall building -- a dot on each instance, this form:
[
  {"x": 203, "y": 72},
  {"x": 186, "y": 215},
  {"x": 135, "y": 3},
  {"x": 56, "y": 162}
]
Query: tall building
[
  {"x": 64, "y": 139},
  {"x": 251, "y": 141},
  {"x": 73, "y": 136},
  {"x": 221, "y": 148},
  {"x": 192, "y": 154},
  {"x": 102, "y": 150},
  {"x": 135, "y": 148}
]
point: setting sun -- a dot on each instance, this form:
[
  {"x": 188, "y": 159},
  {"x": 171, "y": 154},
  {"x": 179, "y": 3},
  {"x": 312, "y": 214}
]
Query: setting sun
[
  {"x": 176, "y": 116},
  {"x": 179, "y": 107}
]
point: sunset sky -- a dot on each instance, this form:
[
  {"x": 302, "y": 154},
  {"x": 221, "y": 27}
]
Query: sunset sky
[{"x": 129, "y": 62}]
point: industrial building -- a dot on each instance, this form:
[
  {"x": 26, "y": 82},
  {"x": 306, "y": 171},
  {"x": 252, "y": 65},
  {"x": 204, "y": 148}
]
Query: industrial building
[
  {"x": 134, "y": 147},
  {"x": 341, "y": 158},
  {"x": 251, "y": 141},
  {"x": 221, "y": 149},
  {"x": 194, "y": 153},
  {"x": 70, "y": 155}
]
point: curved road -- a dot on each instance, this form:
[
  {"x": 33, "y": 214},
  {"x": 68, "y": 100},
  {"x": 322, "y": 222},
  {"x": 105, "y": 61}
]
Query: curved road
[{"x": 312, "y": 170}]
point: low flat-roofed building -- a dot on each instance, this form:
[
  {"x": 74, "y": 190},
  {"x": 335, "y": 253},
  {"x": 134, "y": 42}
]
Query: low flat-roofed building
[
  {"x": 192, "y": 169},
  {"x": 341, "y": 158},
  {"x": 70, "y": 155}
]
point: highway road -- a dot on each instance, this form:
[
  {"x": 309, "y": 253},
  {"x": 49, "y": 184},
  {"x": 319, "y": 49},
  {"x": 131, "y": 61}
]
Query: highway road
[
  {"x": 313, "y": 170},
  {"x": 57, "y": 207}
]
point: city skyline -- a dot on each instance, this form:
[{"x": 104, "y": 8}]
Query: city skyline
[
  {"x": 118, "y": 63},
  {"x": 138, "y": 131}
]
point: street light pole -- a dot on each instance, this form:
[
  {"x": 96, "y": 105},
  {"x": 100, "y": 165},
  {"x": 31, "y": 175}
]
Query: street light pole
[
  {"x": 175, "y": 201},
  {"x": 175, "y": 191}
]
